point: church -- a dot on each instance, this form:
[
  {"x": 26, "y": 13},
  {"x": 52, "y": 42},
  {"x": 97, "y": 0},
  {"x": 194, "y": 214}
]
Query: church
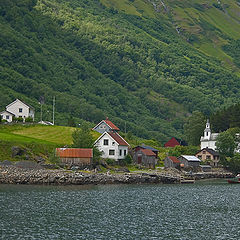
[{"x": 208, "y": 140}]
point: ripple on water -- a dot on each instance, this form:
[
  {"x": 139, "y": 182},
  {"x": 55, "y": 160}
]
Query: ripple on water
[{"x": 185, "y": 212}]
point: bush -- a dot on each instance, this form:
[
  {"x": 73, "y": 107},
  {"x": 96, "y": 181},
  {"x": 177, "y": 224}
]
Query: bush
[
  {"x": 127, "y": 160},
  {"x": 110, "y": 161},
  {"x": 29, "y": 119}
]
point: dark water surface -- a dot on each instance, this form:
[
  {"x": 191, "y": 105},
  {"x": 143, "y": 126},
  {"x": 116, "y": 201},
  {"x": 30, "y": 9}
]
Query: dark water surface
[{"x": 205, "y": 210}]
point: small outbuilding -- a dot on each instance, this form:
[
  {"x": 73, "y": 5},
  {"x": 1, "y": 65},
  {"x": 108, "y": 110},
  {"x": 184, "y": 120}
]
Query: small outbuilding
[
  {"x": 145, "y": 157},
  {"x": 81, "y": 157},
  {"x": 173, "y": 142},
  {"x": 171, "y": 162},
  {"x": 189, "y": 161}
]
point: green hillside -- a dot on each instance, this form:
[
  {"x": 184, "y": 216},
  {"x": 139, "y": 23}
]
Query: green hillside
[{"x": 121, "y": 59}]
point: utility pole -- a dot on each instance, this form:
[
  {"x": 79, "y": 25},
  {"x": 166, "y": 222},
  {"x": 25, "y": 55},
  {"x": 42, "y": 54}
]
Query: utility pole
[{"x": 54, "y": 110}]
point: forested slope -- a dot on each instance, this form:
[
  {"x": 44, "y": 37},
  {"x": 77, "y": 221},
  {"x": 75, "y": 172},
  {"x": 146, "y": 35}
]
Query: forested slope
[{"x": 100, "y": 60}]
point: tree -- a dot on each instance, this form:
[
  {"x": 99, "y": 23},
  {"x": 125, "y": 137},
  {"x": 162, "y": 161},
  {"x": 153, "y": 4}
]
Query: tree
[
  {"x": 234, "y": 163},
  {"x": 82, "y": 138},
  {"x": 194, "y": 127},
  {"x": 225, "y": 145}
]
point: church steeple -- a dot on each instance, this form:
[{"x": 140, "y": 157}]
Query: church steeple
[{"x": 207, "y": 131}]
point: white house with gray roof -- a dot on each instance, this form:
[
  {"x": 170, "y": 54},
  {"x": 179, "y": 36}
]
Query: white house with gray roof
[{"x": 17, "y": 109}]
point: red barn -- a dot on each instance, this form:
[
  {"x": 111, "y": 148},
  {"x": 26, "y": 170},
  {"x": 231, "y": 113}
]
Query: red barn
[{"x": 175, "y": 142}]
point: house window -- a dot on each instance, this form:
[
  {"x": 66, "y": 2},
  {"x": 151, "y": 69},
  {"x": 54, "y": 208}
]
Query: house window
[
  {"x": 7, "y": 116},
  {"x": 125, "y": 152},
  {"x": 20, "y": 110},
  {"x": 208, "y": 157},
  {"x": 120, "y": 152},
  {"x": 105, "y": 142},
  {"x": 204, "y": 152},
  {"x": 113, "y": 143},
  {"x": 111, "y": 152}
]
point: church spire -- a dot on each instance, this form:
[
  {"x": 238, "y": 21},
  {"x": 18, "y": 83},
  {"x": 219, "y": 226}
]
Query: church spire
[{"x": 207, "y": 131}]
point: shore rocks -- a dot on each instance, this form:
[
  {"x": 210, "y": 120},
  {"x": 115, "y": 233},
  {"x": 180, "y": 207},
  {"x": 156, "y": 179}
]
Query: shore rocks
[{"x": 16, "y": 175}]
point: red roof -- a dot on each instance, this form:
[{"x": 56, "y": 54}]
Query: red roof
[
  {"x": 174, "y": 159},
  {"x": 148, "y": 152},
  {"x": 172, "y": 143},
  {"x": 111, "y": 125},
  {"x": 75, "y": 152},
  {"x": 118, "y": 138}
]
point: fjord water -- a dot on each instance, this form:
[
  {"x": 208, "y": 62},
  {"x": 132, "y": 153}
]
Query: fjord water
[{"x": 205, "y": 210}]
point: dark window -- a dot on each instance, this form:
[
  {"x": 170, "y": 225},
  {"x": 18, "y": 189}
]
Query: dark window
[
  {"x": 105, "y": 142},
  {"x": 125, "y": 152},
  {"x": 20, "y": 109},
  {"x": 7, "y": 117},
  {"x": 208, "y": 157},
  {"x": 120, "y": 152},
  {"x": 111, "y": 152},
  {"x": 113, "y": 143},
  {"x": 204, "y": 152}
]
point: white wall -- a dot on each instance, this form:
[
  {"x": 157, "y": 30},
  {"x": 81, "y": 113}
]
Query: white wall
[
  {"x": 4, "y": 116},
  {"x": 208, "y": 144},
  {"x": 14, "y": 108},
  {"x": 112, "y": 145}
]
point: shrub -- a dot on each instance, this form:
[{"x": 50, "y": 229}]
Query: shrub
[
  {"x": 29, "y": 119},
  {"x": 110, "y": 161}
]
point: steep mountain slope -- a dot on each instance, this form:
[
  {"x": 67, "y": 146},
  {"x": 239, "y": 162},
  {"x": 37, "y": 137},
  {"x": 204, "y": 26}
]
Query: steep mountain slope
[{"x": 122, "y": 59}]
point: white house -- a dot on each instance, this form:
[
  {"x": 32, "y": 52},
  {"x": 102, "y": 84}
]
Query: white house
[
  {"x": 17, "y": 109},
  {"x": 8, "y": 116},
  {"x": 208, "y": 140},
  {"x": 112, "y": 145},
  {"x": 106, "y": 126}
]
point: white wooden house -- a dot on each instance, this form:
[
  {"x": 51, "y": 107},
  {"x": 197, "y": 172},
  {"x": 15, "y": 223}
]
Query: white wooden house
[
  {"x": 17, "y": 109},
  {"x": 112, "y": 145},
  {"x": 106, "y": 126}
]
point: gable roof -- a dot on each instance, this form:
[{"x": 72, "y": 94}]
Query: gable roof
[
  {"x": 174, "y": 159},
  {"x": 118, "y": 138},
  {"x": 211, "y": 151},
  {"x": 175, "y": 142},
  {"x": 109, "y": 123},
  {"x": 148, "y": 147},
  {"x": 115, "y": 136},
  {"x": 5, "y": 111},
  {"x": 148, "y": 152},
  {"x": 21, "y": 102},
  {"x": 74, "y": 152},
  {"x": 191, "y": 158}
]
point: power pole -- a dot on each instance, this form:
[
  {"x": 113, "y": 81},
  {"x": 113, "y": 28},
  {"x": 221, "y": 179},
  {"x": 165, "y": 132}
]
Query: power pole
[{"x": 54, "y": 110}]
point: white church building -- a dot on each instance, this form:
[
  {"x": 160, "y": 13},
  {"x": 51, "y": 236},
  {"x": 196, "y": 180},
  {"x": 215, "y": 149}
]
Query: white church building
[{"x": 208, "y": 140}]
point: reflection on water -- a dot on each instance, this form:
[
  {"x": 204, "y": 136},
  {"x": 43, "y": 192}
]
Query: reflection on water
[{"x": 205, "y": 210}]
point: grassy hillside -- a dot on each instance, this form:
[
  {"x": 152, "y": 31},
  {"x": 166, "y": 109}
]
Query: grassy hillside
[{"x": 121, "y": 59}]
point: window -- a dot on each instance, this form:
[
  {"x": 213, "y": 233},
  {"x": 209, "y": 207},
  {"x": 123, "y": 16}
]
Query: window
[
  {"x": 105, "y": 142},
  {"x": 125, "y": 152},
  {"x": 7, "y": 116},
  {"x": 208, "y": 157},
  {"x": 20, "y": 109},
  {"x": 120, "y": 152},
  {"x": 111, "y": 152},
  {"x": 113, "y": 143},
  {"x": 199, "y": 156},
  {"x": 204, "y": 152}
]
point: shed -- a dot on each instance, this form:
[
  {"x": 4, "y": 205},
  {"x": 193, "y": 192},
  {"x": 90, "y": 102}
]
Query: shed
[
  {"x": 175, "y": 142},
  {"x": 189, "y": 161},
  {"x": 145, "y": 157},
  {"x": 81, "y": 157},
  {"x": 171, "y": 162}
]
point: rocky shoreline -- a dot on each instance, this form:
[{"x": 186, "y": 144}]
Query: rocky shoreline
[{"x": 15, "y": 175}]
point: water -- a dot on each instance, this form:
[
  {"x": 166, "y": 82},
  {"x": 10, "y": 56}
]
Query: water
[{"x": 205, "y": 210}]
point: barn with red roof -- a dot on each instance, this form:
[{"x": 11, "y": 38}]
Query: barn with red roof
[
  {"x": 171, "y": 162},
  {"x": 81, "y": 157}
]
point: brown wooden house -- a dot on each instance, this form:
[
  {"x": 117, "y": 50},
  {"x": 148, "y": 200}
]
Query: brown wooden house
[
  {"x": 81, "y": 157},
  {"x": 209, "y": 156},
  {"x": 145, "y": 156}
]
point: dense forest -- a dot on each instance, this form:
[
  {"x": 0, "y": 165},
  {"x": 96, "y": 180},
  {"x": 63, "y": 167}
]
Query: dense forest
[{"x": 99, "y": 60}]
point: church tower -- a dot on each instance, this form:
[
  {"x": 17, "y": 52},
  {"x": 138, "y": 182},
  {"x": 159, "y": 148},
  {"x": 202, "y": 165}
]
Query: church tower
[{"x": 207, "y": 131}]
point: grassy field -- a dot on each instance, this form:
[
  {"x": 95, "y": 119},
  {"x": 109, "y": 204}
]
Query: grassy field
[{"x": 35, "y": 139}]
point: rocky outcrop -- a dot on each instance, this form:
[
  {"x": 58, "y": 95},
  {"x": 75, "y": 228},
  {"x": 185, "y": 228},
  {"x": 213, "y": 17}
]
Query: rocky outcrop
[{"x": 14, "y": 175}]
